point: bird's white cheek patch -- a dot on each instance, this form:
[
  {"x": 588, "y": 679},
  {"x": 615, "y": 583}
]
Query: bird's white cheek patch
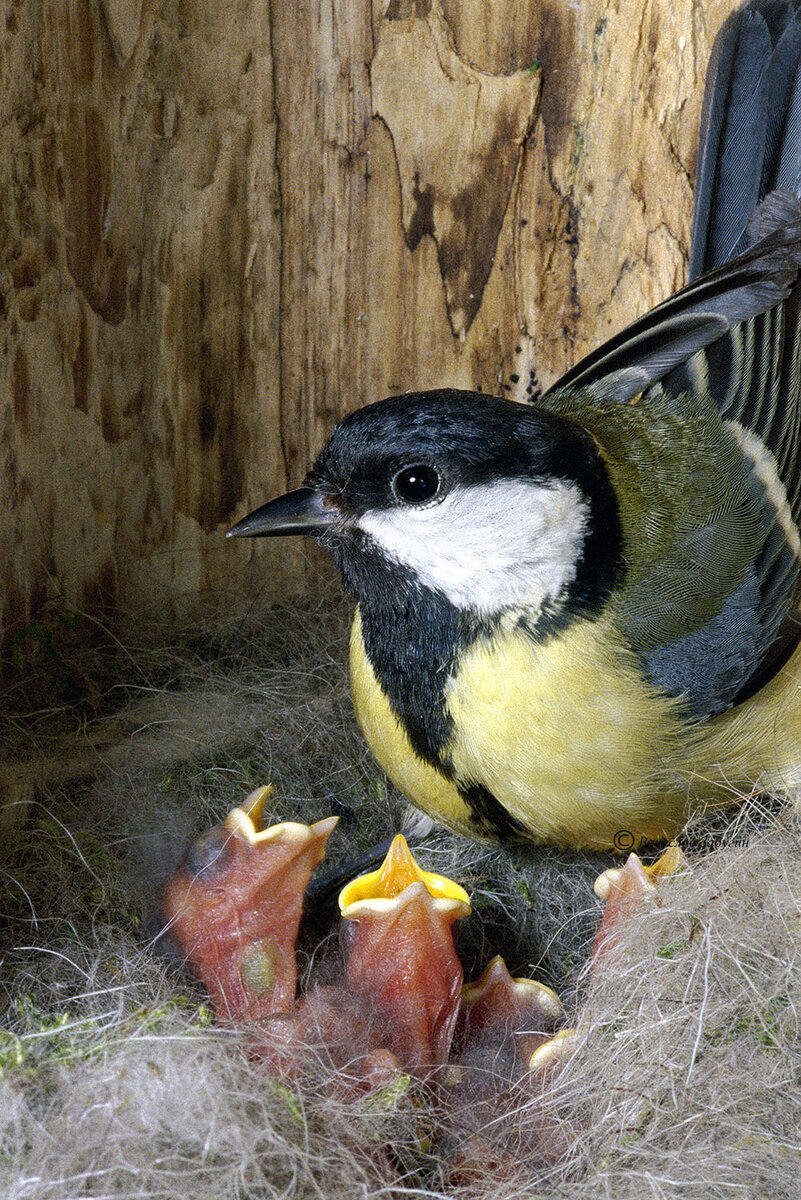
[{"x": 491, "y": 546}]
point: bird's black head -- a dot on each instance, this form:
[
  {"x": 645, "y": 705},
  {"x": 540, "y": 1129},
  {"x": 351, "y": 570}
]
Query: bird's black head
[
  {"x": 493, "y": 504},
  {"x": 454, "y": 438}
]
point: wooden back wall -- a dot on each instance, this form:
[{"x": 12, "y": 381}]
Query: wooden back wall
[{"x": 225, "y": 223}]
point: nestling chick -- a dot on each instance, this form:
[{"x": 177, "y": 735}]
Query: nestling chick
[{"x": 576, "y": 622}]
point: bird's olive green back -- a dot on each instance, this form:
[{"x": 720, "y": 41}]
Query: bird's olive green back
[{"x": 701, "y": 542}]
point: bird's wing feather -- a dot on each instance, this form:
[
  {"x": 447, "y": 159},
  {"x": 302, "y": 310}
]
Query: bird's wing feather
[
  {"x": 713, "y": 615},
  {"x": 693, "y": 319},
  {"x": 750, "y": 138},
  {"x": 711, "y": 565},
  {"x": 734, "y": 333},
  {"x": 707, "y": 388},
  {"x": 748, "y": 181},
  {"x": 753, "y": 376}
]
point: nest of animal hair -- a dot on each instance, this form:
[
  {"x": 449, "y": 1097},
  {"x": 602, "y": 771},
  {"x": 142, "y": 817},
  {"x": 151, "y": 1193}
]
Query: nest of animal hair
[{"x": 119, "y": 1080}]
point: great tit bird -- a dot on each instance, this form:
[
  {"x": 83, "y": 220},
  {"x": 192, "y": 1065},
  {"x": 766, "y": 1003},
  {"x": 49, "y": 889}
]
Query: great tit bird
[{"x": 576, "y": 621}]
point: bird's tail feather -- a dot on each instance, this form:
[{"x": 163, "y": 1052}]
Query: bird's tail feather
[{"x": 750, "y": 143}]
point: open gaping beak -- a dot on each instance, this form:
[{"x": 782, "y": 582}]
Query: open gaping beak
[{"x": 301, "y": 511}]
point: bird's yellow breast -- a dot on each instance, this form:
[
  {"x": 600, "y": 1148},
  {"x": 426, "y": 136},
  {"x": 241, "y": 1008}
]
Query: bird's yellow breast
[
  {"x": 567, "y": 735},
  {"x": 574, "y": 743}
]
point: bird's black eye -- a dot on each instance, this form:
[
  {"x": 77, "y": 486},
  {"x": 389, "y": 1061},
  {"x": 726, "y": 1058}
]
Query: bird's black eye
[{"x": 416, "y": 484}]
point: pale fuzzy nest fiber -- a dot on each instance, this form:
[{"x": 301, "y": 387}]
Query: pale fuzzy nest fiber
[{"x": 686, "y": 1077}]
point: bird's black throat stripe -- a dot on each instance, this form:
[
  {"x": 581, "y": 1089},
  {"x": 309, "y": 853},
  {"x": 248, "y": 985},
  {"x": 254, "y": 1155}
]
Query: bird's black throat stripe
[
  {"x": 412, "y": 637},
  {"x": 488, "y": 816}
]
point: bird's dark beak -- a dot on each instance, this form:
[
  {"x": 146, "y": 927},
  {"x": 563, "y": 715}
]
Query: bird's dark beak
[{"x": 301, "y": 511}]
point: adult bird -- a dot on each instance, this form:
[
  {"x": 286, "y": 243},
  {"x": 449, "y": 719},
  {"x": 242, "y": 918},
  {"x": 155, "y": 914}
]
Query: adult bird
[{"x": 576, "y": 621}]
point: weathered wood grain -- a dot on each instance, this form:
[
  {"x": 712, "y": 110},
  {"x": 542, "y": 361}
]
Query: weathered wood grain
[{"x": 224, "y": 223}]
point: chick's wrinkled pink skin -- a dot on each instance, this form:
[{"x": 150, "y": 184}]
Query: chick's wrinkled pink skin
[
  {"x": 499, "y": 1012},
  {"x": 625, "y": 891},
  {"x": 398, "y": 932},
  {"x": 400, "y": 1009},
  {"x": 329, "y": 1029},
  {"x": 234, "y": 907}
]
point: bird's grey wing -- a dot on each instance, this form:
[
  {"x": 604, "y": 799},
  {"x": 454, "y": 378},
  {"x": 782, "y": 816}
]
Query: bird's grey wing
[
  {"x": 711, "y": 616},
  {"x": 693, "y": 319},
  {"x": 748, "y": 182},
  {"x": 750, "y": 138},
  {"x": 733, "y": 332},
  {"x": 712, "y": 619},
  {"x": 710, "y": 552}
]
